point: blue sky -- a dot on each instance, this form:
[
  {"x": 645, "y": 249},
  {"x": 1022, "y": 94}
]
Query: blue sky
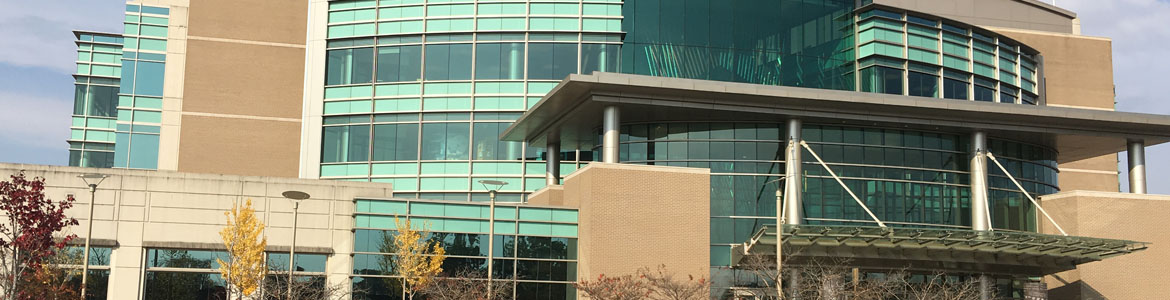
[{"x": 37, "y": 54}]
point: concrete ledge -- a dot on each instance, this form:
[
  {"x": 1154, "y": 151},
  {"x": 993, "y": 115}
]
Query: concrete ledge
[
  {"x": 632, "y": 167},
  {"x": 552, "y": 195},
  {"x": 208, "y": 246},
  {"x": 31, "y": 169},
  {"x": 1111, "y": 195},
  {"x": 80, "y": 241}
]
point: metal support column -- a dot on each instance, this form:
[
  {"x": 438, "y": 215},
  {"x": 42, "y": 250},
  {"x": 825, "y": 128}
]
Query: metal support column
[
  {"x": 552, "y": 168},
  {"x": 979, "y": 209},
  {"x": 610, "y": 134},
  {"x": 980, "y": 220},
  {"x": 793, "y": 202},
  {"x": 1137, "y": 166},
  {"x": 986, "y": 289}
]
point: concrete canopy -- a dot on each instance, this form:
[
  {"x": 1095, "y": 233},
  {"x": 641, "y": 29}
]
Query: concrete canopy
[{"x": 571, "y": 113}]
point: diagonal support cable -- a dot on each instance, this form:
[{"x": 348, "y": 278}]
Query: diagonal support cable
[
  {"x": 842, "y": 183},
  {"x": 1026, "y": 194},
  {"x": 986, "y": 200}
]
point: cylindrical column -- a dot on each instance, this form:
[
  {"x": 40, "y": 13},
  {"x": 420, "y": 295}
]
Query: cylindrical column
[
  {"x": 794, "y": 214},
  {"x": 979, "y": 204},
  {"x": 979, "y": 209},
  {"x": 610, "y": 134},
  {"x": 552, "y": 167},
  {"x": 516, "y": 61},
  {"x": 1137, "y": 166},
  {"x": 986, "y": 290}
]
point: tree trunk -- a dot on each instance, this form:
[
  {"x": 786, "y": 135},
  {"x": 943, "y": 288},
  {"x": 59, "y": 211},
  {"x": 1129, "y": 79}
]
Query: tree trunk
[{"x": 15, "y": 273}]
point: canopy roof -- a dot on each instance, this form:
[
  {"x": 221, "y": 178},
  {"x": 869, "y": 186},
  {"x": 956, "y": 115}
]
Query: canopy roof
[
  {"x": 571, "y": 113},
  {"x": 936, "y": 249}
]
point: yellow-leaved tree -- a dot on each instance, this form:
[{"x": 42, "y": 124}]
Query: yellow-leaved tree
[
  {"x": 244, "y": 238},
  {"x": 416, "y": 259}
]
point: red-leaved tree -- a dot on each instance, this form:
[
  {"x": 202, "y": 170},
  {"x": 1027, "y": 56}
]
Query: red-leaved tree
[{"x": 27, "y": 238}]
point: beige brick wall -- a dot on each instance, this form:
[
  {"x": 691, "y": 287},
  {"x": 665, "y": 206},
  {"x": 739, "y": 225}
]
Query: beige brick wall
[
  {"x": 634, "y": 216},
  {"x": 1078, "y": 72},
  {"x": 1133, "y": 217},
  {"x": 243, "y": 85}
]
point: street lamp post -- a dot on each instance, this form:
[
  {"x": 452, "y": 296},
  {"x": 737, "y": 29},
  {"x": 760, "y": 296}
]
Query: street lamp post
[
  {"x": 491, "y": 228},
  {"x": 296, "y": 197},
  {"x": 779, "y": 234},
  {"x": 97, "y": 178}
]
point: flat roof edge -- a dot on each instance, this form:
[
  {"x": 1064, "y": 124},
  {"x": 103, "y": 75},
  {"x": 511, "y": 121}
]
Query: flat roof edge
[
  {"x": 1050, "y": 7},
  {"x": 80, "y": 32}
]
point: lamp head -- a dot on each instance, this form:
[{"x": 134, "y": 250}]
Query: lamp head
[
  {"x": 496, "y": 183},
  {"x": 96, "y": 178},
  {"x": 295, "y": 195}
]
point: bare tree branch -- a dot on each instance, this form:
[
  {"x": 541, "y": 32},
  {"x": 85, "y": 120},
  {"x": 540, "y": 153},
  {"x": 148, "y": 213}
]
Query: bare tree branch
[{"x": 468, "y": 285}]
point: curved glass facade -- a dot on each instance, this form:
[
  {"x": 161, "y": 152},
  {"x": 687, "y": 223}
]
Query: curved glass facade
[
  {"x": 417, "y": 92},
  {"x": 805, "y": 43},
  {"x": 907, "y": 178},
  {"x": 904, "y": 53}
]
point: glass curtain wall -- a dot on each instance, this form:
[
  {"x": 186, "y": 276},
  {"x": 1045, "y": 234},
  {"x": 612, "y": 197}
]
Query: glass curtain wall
[
  {"x": 903, "y": 53},
  {"x": 194, "y": 274},
  {"x": 141, "y": 87},
  {"x": 535, "y": 248},
  {"x": 91, "y": 139},
  {"x": 99, "y": 269},
  {"x": 416, "y": 94},
  {"x": 907, "y": 178},
  {"x": 805, "y": 43}
]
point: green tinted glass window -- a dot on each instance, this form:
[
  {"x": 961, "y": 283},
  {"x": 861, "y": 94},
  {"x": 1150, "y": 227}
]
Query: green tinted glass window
[
  {"x": 551, "y": 61},
  {"x": 395, "y": 142},
  {"x": 345, "y": 143},
  {"x": 349, "y": 66},
  {"x": 448, "y": 62},
  {"x": 446, "y": 141},
  {"x": 499, "y": 61},
  {"x": 487, "y": 144},
  {"x": 884, "y": 80},
  {"x": 402, "y": 63}
]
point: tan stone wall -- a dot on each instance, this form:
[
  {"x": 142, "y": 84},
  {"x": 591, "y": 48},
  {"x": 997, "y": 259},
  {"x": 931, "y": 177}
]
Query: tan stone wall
[
  {"x": 1078, "y": 72},
  {"x": 239, "y": 146},
  {"x": 553, "y": 195},
  {"x": 1022, "y": 14},
  {"x": 144, "y": 209},
  {"x": 243, "y": 87},
  {"x": 253, "y": 20},
  {"x": 244, "y": 79},
  {"x": 634, "y": 216},
  {"x": 1133, "y": 217},
  {"x": 1093, "y": 174}
]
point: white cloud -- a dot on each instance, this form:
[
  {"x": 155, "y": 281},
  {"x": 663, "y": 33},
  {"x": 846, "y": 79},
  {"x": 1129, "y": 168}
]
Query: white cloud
[{"x": 39, "y": 33}]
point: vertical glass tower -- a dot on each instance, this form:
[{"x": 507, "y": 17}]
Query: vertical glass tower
[
  {"x": 91, "y": 139},
  {"x": 141, "y": 90},
  {"x": 117, "y": 110}
]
